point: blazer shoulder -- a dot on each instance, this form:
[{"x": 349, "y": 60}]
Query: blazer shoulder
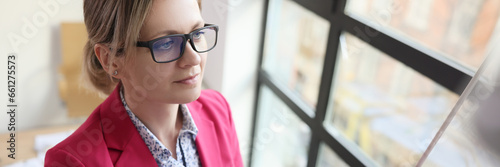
[
  {"x": 214, "y": 106},
  {"x": 212, "y": 98},
  {"x": 86, "y": 143},
  {"x": 209, "y": 94},
  {"x": 216, "y": 109}
]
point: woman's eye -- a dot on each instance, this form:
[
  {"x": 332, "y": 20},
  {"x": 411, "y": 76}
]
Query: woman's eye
[
  {"x": 198, "y": 35},
  {"x": 166, "y": 45}
]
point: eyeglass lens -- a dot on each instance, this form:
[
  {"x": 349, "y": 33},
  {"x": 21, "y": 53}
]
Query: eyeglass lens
[{"x": 170, "y": 48}]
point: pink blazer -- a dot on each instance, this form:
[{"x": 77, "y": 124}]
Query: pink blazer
[{"x": 109, "y": 138}]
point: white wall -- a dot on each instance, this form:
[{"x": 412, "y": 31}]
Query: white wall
[{"x": 36, "y": 25}]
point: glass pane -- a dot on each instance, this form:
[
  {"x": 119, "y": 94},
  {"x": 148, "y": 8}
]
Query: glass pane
[
  {"x": 459, "y": 29},
  {"x": 295, "y": 47},
  {"x": 281, "y": 138},
  {"x": 472, "y": 137},
  {"x": 328, "y": 158},
  {"x": 385, "y": 108}
]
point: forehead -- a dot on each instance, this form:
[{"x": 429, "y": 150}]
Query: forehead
[{"x": 170, "y": 16}]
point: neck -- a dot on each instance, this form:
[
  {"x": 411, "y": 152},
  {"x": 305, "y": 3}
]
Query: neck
[{"x": 162, "y": 119}]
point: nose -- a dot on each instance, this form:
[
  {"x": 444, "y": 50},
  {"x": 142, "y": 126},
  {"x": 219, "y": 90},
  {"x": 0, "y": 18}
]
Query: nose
[{"x": 189, "y": 57}]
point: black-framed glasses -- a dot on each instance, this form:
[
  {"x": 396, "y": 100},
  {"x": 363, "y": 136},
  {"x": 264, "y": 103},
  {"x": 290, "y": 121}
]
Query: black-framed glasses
[{"x": 171, "y": 47}]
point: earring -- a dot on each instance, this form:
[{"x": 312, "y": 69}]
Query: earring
[{"x": 115, "y": 73}]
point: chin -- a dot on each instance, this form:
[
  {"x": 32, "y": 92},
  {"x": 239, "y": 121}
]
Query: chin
[
  {"x": 187, "y": 96},
  {"x": 193, "y": 96}
]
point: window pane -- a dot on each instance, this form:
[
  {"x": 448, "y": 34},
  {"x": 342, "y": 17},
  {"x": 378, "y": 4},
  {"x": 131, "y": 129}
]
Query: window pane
[
  {"x": 472, "y": 137},
  {"x": 281, "y": 139},
  {"x": 459, "y": 29},
  {"x": 295, "y": 46},
  {"x": 384, "y": 107},
  {"x": 328, "y": 158}
]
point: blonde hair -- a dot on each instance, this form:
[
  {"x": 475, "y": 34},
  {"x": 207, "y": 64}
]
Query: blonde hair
[{"x": 116, "y": 23}]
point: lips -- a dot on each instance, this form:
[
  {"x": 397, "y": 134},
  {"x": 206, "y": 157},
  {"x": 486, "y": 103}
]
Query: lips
[{"x": 193, "y": 79}]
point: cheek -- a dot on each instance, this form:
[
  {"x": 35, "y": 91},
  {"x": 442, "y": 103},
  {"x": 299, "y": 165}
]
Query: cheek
[
  {"x": 203, "y": 61},
  {"x": 143, "y": 71}
]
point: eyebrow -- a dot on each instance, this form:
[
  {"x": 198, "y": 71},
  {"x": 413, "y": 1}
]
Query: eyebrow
[{"x": 197, "y": 25}]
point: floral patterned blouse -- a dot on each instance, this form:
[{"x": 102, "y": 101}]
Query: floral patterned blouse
[{"x": 187, "y": 155}]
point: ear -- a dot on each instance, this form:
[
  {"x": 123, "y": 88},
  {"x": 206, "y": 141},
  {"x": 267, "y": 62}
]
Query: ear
[{"x": 109, "y": 63}]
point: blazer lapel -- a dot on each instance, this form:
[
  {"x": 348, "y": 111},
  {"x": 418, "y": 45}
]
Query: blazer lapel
[
  {"x": 206, "y": 139},
  {"x": 136, "y": 154},
  {"x": 120, "y": 133}
]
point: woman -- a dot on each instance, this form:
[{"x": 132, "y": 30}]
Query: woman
[{"x": 149, "y": 57}]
